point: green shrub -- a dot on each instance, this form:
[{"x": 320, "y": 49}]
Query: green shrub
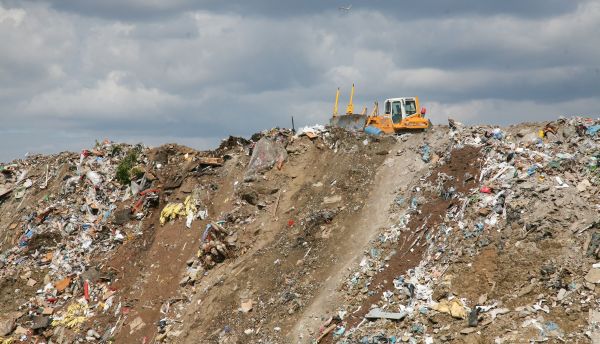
[
  {"x": 125, "y": 167},
  {"x": 136, "y": 173}
]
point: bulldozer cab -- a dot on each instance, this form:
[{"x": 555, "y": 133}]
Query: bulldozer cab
[{"x": 400, "y": 108}]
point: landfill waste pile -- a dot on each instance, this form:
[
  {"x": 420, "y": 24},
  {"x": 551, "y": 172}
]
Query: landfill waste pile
[
  {"x": 459, "y": 234},
  {"x": 497, "y": 243},
  {"x": 64, "y": 218}
]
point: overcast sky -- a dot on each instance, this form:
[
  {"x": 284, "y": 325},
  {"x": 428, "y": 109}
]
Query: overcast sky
[{"x": 194, "y": 72}]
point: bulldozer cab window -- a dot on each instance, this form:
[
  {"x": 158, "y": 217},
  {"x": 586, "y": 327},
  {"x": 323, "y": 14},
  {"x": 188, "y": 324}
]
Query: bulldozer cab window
[
  {"x": 411, "y": 107},
  {"x": 396, "y": 112},
  {"x": 387, "y": 108}
]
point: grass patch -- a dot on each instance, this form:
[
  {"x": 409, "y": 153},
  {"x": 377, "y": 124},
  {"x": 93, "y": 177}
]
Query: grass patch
[{"x": 126, "y": 169}]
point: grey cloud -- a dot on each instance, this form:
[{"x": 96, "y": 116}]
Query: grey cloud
[
  {"x": 195, "y": 72},
  {"x": 404, "y": 11}
]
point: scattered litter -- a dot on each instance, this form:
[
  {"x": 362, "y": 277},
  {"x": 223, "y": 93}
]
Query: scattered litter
[{"x": 377, "y": 313}]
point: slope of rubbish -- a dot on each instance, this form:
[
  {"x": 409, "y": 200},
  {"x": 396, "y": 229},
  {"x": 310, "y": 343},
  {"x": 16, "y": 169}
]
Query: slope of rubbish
[
  {"x": 459, "y": 234},
  {"x": 332, "y": 198},
  {"x": 112, "y": 244},
  {"x": 497, "y": 243}
]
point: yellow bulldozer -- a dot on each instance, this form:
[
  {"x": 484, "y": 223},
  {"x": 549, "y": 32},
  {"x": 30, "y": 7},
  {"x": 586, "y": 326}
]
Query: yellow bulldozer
[{"x": 400, "y": 115}]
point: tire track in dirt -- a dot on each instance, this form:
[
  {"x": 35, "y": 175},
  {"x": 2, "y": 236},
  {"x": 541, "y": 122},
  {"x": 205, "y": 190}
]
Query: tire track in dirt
[
  {"x": 398, "y": 174},
  {"x": 424, "y": 223}
]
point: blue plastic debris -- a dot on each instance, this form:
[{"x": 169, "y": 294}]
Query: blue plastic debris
[
  {"x": 398, "y": 282},
  {"x": 551, "y": 326},
  {"x": 476, "y": 231},
  {"x": 445, "y": 230},
  {"x": 371, "y": 130},
  {"x": 497, "y": 133},
  {"x": 25, "y": 237},
  {"x": 593, "y": 130},
  {"x": 399, "y": 200},
  {"x": 206, "y": 231},
  {"x": 413, "y": 203},
  {"x": 425, "y": 153},
  {"x": 448, "y": 194},
  {"x": 374, "y": 253},
  {"x": 539, "y": 142},
  {"x": 417, "y": 328},
  {"x": 339, "y": 331}
]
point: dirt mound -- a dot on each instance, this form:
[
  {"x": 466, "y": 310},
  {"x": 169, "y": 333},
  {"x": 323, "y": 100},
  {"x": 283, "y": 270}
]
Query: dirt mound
[{"x": 471, "y": 234}]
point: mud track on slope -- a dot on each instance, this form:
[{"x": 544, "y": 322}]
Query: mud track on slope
[
  {"x": 399, "y": 173},
  {"x": 305, "y": 237}
]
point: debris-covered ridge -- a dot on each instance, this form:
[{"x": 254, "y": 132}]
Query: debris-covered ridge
[
  {"x": 109, "y": 244},
  {"x": 507, "y": 247},
  {"x": 490, "y": 237},
  {"x": 64, "y": 218}
]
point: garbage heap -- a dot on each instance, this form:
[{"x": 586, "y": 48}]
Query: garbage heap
[
  {"x": 62, "y": 218},
  {"x": 499, "y": 243}
]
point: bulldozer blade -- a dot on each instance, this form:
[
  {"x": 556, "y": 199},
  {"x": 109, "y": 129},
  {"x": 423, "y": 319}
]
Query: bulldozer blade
[{"x": 350, "y": 122}]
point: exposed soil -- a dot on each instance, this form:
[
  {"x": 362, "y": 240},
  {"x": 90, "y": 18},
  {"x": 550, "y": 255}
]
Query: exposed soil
[{"x": 307, "y": 246}]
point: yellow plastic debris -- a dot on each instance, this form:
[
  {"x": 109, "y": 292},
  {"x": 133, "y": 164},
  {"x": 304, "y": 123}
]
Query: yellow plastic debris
[
  {"x": 74, "y": 317},
  {"x": 190, "y": 205},
  {"x": 541, "y": 134},
  {"x": 6, "y": 341},
  {"x": 171, "y": 211},
  {"x": 190, "y": 210},
  {"x": 453, "y": 307}
]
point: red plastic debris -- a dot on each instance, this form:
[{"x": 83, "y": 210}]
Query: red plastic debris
[
  {"x": 86, "y": 290},
  {"x": 485, "y": 189},
  {"x": 291, "y": 223}
]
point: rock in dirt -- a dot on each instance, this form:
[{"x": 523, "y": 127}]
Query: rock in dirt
[
  {"x": 7, "y": 324},
  {"x": 468, "y": 330},
  {"x": 250, "y": 196},
  {"x": 525, "y": 290},
  {"x": 265, "y": 155},
  {"x": 583, "y": 185},
  {"x": 40, "y": 322},
  {"x": 594, "y": 324},
  {"x": 121, "y": 216},
  {"x": 593, "y": 276},
  {"x": 247, "y": 305},
  {"x": 377, "y": 313},
  {"x": 332, "y": 199}
]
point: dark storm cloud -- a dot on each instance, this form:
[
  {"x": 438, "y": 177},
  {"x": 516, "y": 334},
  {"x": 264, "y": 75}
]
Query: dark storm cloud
[
  {"x": 402, "y": 10},
  {"x": 196, "y": 71}
]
